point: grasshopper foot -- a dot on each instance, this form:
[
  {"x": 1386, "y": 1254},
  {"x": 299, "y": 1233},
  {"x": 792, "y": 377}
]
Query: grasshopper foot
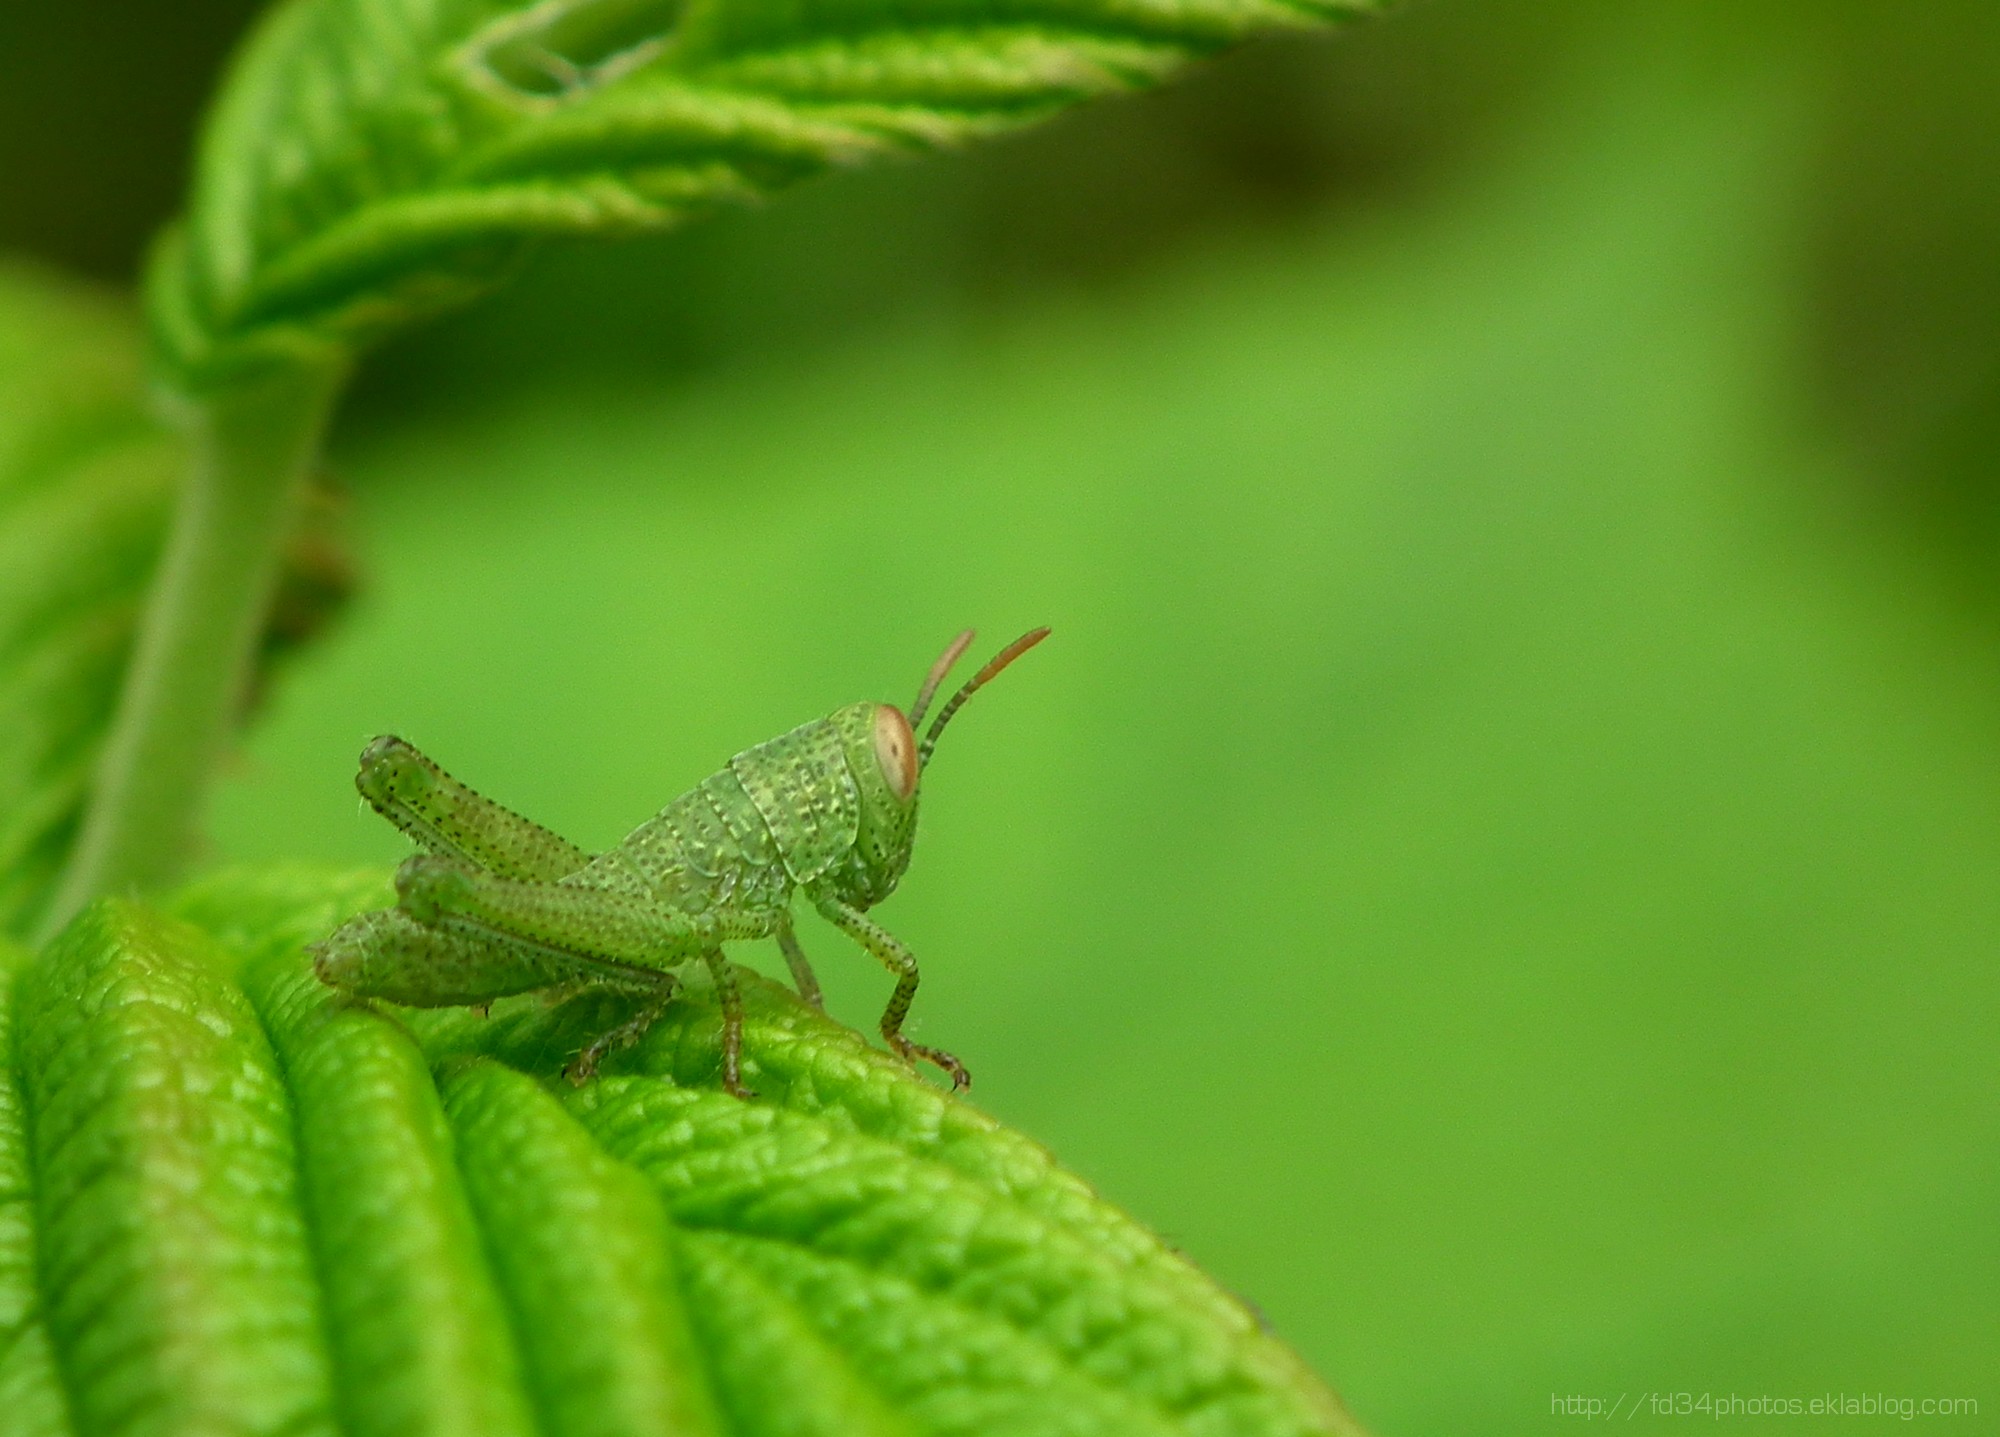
[
  {"x": 911, "y": 1053},
  {"x": 583, "y": 1067}
]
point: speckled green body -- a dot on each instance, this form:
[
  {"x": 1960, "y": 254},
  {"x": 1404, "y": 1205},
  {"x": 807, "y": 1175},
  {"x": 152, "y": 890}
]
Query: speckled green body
[
  {"x": 790, "y": 813},
  {"x": 494, "y": 905}
]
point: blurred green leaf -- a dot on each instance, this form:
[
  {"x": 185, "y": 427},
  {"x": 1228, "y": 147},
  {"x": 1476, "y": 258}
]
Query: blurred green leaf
[
  {"x": 262, "y": 1207},
  {"x": 30, "y": 1393},
  {"x": 368, "y": 161},
  {"x": 86, "y": 482}
]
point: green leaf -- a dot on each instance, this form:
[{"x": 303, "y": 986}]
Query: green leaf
[
  {"x": 30, "y": 1393},
  {"x": 88, "y": 477},
  {"x": 259, "y": 1207},
  {"x": 370, "y": 161},
  {"x": 86, "y": 483},
  {"x": 170, "y": 1244}
]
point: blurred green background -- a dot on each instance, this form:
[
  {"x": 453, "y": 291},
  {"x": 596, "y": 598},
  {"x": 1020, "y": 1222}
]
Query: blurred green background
[{"x": 1499, "y": 860}]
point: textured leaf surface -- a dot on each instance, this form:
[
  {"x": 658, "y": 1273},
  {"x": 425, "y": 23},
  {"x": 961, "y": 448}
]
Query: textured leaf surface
[
  {"x": 170, "y": 1244},
  {"x": 29, "y": 1392},
  {"x": 373, "y": 159},
  {"x": 260, "y": 1208}
]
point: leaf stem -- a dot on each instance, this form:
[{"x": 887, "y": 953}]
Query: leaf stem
[{"x": 254, "y": 442}]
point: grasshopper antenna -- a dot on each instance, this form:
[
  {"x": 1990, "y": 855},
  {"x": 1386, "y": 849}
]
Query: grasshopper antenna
[
  {"x": 978, "y": 681},
  {"x": 953, "y": 652}
]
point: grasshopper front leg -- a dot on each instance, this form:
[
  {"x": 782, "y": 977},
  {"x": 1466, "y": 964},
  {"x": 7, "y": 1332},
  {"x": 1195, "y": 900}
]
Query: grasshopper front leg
[{"x": 897, "y": 957}]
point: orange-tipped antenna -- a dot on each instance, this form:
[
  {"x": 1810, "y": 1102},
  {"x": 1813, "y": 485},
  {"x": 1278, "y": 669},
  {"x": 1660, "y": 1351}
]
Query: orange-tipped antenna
[
  {"x": 953, "y": 652},
  {"x": 978, "y": 681}
]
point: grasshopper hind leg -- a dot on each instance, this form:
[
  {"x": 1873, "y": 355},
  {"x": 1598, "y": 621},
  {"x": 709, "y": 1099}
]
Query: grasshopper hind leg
[
  {"x": 654, "y": 1000},
  {"x": 445, "y": 817},
  {"x": 386, "y": 954}
]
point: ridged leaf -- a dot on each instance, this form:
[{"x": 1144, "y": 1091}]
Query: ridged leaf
[
  {"x": 30, "y": 1394},
  {"x": 260, "y": 1208},
  {"x": 373, "y": 159},
  {"x": 87, "y": 483}
]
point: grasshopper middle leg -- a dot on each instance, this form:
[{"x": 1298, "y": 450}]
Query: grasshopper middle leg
[{"x": 732, "y": 1023}]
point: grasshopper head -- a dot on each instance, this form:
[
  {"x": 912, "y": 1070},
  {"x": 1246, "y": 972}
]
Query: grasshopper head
[{"x": 887, "y": 762}]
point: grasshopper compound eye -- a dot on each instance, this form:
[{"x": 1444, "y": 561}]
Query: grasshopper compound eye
[{"x": 896, "y": 751}]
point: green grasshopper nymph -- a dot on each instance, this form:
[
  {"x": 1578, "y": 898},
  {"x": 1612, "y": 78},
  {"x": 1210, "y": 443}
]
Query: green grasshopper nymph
[{"x": 495, "y": 905}]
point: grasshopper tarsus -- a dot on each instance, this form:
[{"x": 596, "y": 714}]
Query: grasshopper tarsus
[{"x": 911, "y": 1053}]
